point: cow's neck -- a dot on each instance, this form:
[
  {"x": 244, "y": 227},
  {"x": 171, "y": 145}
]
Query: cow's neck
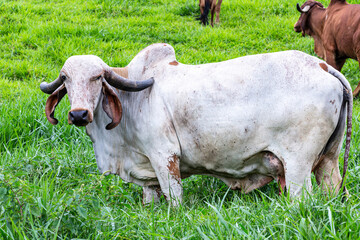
[
  {"x": 317, "y": 21},
  {"x": 116, "y": 150},
  {"x": 106, "y": 142}
]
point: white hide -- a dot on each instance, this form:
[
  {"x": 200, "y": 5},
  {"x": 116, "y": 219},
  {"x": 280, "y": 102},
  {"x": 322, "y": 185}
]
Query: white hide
[{"x": 220, "y": 119}]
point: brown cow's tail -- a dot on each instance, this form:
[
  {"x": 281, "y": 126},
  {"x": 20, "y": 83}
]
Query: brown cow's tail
[
  {"x": 204, "y": 16},
  {"x": 348, "y": 99}
]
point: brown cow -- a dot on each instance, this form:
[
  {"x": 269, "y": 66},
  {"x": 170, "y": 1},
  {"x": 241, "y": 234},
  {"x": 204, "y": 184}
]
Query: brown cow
[
  {"x": 336, "y": 31},
  {"x": 205, "y": 7}
]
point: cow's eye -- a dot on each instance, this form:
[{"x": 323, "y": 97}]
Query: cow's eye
[{"x": 97, "y": 78}]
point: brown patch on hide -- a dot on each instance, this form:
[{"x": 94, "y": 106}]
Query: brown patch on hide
[
  {"x": 332, "y": 102},
  {"x": 324, "y": 66},
  {"x": 174, "y": 63},
  {"x": 174, "y": 167},
  {"x": 51, "y": 103},
  {"x": 124, "y": 72}
]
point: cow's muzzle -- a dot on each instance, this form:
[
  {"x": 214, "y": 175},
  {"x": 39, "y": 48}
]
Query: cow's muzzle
[
  {"x": 297, "y": 28},
  {"x": 79, "y": 117}
]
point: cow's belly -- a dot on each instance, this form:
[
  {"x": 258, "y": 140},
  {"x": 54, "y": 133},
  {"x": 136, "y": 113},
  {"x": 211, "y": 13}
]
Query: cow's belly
[
  {"x": 253, "y": 173},
  {"x": 262, "y": 165}
]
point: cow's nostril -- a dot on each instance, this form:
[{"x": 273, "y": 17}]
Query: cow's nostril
[
  {"x": 71, "y": 116},
  {"x": 79, "y": 117}
]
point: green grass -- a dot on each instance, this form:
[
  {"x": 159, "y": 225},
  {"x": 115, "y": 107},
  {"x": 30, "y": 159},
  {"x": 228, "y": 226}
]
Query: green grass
[{"x": 50, "y": 187}]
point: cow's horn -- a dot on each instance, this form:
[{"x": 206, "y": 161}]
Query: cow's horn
[
  {"x": 122, "y": 83},
  {"x": 304, "y": 10},
  {"x": 49, "y": 88},
  {"x": 298, "y": 7}
]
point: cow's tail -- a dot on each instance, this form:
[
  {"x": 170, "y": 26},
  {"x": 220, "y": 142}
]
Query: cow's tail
[
  {"x": 347, "y": 100},
  {"x": 204, "y": 16}
]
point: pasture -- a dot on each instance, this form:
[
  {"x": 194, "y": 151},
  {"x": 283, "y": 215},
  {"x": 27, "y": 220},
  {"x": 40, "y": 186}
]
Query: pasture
[{"x": 50, "y": 187}]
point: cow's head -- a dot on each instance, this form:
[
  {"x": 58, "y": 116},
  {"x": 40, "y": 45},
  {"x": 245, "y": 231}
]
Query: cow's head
[
  {"x": 302, "y": 25},
  {"x": 86, "y": 79}
]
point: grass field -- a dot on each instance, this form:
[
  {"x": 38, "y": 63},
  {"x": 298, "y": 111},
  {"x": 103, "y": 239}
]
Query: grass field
[{"x": 50, "y": 187}]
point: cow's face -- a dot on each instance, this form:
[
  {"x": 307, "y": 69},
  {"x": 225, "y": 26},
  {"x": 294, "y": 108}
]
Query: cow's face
[
  {"x": 302, "y": 25},
  {"x": 83, "y": 78},
  {"x": 86, "y": 80}
]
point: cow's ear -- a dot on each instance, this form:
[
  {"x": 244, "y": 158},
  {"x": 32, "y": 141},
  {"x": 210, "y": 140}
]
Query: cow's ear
[
  {"x": 111, "y": 105},
  {"x": 304, "y": 24},
  {"x": 51, "y": 103}
]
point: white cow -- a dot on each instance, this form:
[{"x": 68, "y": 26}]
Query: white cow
[{"x": 246, "y": 121}]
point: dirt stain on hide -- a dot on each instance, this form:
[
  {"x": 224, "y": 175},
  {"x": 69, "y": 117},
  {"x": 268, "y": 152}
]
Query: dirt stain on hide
[{"x": 174, "y": 167}]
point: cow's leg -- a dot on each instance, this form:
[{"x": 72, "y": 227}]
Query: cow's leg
[
  {"x": 297, "y": 166},
  {"x": 151, "y": 193},
  {"x": 333, "y": 60},
  {"x": 203, "y": 17},
  {"x": 168, "y": 175},
  {"x": 327, "y": 175},
  {"x": 213, "y": 5},
  {"x": 357, "y": 89},
  {"x": 297, "y": 176},
  {"x": 201, "y": 6},
  {"x": 217, "y": 11},
  {"x": 327, "y": 171}
]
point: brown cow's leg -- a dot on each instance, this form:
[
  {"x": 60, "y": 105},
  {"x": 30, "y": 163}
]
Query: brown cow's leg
[
  {"x": 202, "y": 6},
  {"x": 340, "y": 63},
  {"x": 217, "y": 11},
  {"x": 213, "y": 6},
  {"x": 334, "y": 61},
  {"x": 357, "y": 89}
]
